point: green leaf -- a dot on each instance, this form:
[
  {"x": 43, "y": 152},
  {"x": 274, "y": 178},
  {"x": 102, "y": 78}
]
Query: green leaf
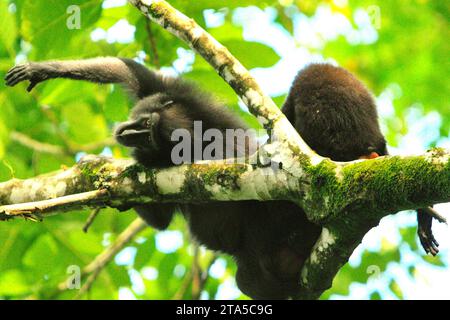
[
  {"x": 89, "y": 243},
  {"x": 395, "y": 288},
  {"x": 165, "y": 268},
  {"x": 42, "y": 256},
  {"x": 375, "y": 296},
  {"x": 45, "y": 24},
  {"x": 144, "y": 253},
  {"x": 83, "y": 125},
  {"x": 110, "y": 16},
  {"x": 13, "y": 283},
  {"x": 211, "y": 82},
  {"x": 116, "y": 105},
  {"x": 435, "y": 261},
  {"x": 252, "y": 54},
  {"x": 8, "y": 25}
]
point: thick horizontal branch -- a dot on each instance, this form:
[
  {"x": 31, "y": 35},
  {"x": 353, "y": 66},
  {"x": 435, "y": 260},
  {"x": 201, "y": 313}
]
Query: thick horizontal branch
[
  {"x": 327, "y": 191},
  {"x": 347, "y": 199},
  {"x": 123, "y": 183},
  {"x": 375, "y": 188}
]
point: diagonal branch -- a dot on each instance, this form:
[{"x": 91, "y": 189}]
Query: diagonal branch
[
  {"x": 229, "y": 68},
  {"x": 347, "y": 199},
  {"x": 93, "y": 269}
]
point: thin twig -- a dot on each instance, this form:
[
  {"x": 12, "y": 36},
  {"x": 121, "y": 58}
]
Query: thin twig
[
  {"x": 71, "y": 150},
  {"x": 32, "y": 210},
  {"x": 48, "y": 112},
  {"x": 37, "y": 145},
  {"x": 91, "y": 219},
  {"x": 204, "y": 277},
  {"x": 196, "y": 273},
  {"x": 88, "y": 284},
  {"x": 152, "y": 41},
  {"x": 187, "y": 280},
  {"x": 183, "y": 286},
  {"x": 106, "y": 256},
  {"x": 94, "y": 268},
  {"x": 94, "y": 145}
]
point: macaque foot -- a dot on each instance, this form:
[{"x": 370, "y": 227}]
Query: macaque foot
[{"x": 425, "y": 220}]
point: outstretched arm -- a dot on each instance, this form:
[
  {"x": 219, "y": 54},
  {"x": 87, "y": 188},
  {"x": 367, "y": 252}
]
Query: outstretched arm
[{"x": 140, "y": 80}]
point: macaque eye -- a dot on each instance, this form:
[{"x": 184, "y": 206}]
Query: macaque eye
[{"x": 148, "y": 123}]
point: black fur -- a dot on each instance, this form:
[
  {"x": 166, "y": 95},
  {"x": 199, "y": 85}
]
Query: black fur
[
  {"x": 270, "y": 241},
  {"x": 334, "y": 113}
]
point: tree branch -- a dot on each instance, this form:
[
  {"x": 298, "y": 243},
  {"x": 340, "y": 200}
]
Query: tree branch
[
  {"x": 153, "y": 48},
  {"x": 90, "y": 220},
  {"x": 230, "y": 69},
  {"x": 56, "y": 150},
  {"x": 347, "y": 199},
  {"x": 327, "y": 191},
  {"x": 37, "y": 145},
  {"x": 93, "y": 269}
]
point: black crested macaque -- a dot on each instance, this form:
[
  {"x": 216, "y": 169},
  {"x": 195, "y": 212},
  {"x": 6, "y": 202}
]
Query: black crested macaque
[
  {"x": 270, "y": 241},
  {"x": 336, "y": 116}
]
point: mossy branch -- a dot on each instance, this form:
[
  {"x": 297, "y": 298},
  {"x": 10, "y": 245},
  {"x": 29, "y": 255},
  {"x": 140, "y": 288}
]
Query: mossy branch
[
  {"x": 347, "y": 199},
  {"x": 229, "y": 68},
  {"x": 329, "y": 192}
]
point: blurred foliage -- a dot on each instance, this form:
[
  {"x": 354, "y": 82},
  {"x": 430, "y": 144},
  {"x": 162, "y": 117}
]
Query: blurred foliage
[
  {"x": 410, "y": 51},
  {"x": 34, "y": 257}
]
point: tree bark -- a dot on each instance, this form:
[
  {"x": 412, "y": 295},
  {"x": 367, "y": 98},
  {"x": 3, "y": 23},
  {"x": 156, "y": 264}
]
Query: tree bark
[{"x": 346, "y": 199}]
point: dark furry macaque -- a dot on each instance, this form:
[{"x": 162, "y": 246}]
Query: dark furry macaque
[
  {"x": 334, "y": 113},
  {"x": 336, "y": 116},
  {"x": 270, "y": 241}
]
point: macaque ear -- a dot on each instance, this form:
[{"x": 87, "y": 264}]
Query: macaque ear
[{"x": 371, "y": 155}]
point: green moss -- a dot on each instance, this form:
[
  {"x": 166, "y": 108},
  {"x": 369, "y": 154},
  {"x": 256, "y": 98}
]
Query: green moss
[
  {"x": 200, "y": 176},
  {"x": 302, "y": 159},
  {"x": 132, "y": 172},
  {"x": 194, "y": 186},
  {"x": 375, "y": 187},
  {"x": 402, "y": 181},
  {"x": 91, "y": 170},
  {"x": 325, "y": 189},
  {"x": 438, "y": 152},
  {"x": 268, "y": 126},
  {"x": 158, "y": 15}
]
